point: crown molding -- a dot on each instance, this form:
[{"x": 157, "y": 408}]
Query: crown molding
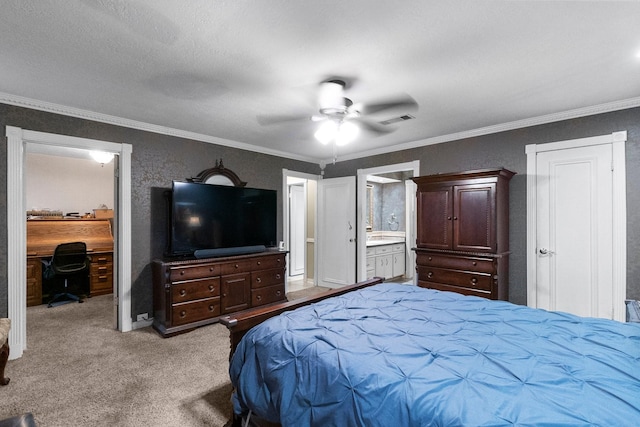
[
  {"x": 518, "y": 124},
  {"x": 49, "y": 107},
  {"x": 20, "y": 101}
]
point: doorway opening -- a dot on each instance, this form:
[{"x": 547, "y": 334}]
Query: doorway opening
[
  {"x": 17, "y": 139},
  {"x": 387, "y": 222},
  {"x": 299, "y": 229}
]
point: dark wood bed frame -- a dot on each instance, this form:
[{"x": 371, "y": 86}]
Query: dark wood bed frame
[{"x": 239, "y": 324}]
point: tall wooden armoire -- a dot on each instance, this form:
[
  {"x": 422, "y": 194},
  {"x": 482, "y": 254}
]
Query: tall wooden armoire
[{"x": 462, "y": 242}]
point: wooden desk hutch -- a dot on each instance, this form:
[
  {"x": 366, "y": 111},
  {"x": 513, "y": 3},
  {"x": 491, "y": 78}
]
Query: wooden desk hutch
[
  {"x": 463, "y": 232},
  {"x": 43, "y": 235}
]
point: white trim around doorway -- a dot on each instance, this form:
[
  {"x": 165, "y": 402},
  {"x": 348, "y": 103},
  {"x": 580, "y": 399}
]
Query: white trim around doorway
[
  {"x": 617, "y": 141},
  {"x": 17, "y": 138}
]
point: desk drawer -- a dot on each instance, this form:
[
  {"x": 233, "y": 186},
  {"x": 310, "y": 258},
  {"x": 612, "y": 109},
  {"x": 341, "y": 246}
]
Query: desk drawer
[
  {"x": 101, "y": 284},
  {"x": 195, "y": 289},
  {"x": 195, "y": 311}
]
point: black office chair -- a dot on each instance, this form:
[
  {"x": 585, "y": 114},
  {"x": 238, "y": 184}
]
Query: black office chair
[{"x": 70, "y": 261}]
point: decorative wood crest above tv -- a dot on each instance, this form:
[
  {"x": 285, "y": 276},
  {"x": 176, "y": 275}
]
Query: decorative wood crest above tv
[{"x": 218, "y": 175}]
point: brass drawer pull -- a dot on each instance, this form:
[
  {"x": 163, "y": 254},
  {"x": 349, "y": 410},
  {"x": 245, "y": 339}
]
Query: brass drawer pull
[
  {"x": 183, "y": 292},
  {"x": 211, "y": 307},
  {"x": 212, "y": 288},
  {"x": 183, "y": 313}
]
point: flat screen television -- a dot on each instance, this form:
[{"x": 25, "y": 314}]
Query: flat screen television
[{"x": 216, "y": 220}]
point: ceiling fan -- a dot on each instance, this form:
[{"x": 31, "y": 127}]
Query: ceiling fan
[{"x": 340, "y": 119}]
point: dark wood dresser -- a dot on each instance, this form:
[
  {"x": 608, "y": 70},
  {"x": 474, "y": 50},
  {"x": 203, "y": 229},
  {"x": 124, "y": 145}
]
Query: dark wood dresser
[
  {"x": 196, "y": 292},
  {"x": 462, "y": 242}
]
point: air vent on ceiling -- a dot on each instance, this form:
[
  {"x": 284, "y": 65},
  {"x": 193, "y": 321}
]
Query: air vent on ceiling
[{"x": 397, "y": 119}]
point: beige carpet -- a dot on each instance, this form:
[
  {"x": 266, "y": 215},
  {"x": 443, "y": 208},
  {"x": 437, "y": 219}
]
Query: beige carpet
[
  {"x": 78, "y": 371},
  {"x": 306, "y": 292}
]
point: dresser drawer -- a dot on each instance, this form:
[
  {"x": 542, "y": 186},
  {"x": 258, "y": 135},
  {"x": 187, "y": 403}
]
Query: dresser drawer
[
  {"x": 480, "y": 281},
  {"x": 195, "y": 311},
  {"x": 267, "y": 262},
  {"x": 264, "y": 278},
  {"x": 195, "y": 289},
  {"x": 483, "y": 265},
  {"x": 197, "y": 271},
  {"x": 457, "y": 289},
  {"x": 239, "y": 266},
  {"x": 267, "y": 295}
]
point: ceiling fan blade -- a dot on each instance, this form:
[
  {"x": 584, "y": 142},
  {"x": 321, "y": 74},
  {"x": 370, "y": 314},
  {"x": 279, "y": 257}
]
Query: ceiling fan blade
[
  {"x": 404, "y": 103},
  {"x": 373, "y": 126},
  {"x": 272, "y": 119}
]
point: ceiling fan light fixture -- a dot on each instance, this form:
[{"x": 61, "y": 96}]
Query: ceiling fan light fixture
[
  {"x": 347, "y": 132},
  {"x": 331, "y": 95},
  {"x": 327, "y": 131}
]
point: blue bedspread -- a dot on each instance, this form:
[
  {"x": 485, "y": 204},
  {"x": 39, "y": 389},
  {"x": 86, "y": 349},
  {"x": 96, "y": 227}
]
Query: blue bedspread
[{"x": 397, "y": 355}]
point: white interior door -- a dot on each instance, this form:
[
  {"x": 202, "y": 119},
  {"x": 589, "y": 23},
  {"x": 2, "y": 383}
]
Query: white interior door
[
  {"x": 336, "y": 239},
  {"x": 297, "y": 239},
  {"x": 575, "y": 251}
]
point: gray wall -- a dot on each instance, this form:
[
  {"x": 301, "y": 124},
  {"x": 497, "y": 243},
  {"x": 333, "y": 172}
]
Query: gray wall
[
  {"x": 158, "y": 159},
  {"x": 506, "y": 149}
]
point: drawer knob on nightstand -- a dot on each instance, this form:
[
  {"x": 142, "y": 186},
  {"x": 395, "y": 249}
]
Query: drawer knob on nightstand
[
  {"x": 474, "y": 280},
  {"x": 182, "y": 272},
  {"x": 258, "y": 280},
  {"x": 236, "y": 266},
  {"x": 430, "y": 259},
  {"x": 211, "y": 287},
  {"x": 183, "y": 313},
  {"x": 474, "y": 263},
  {"x": 259, "y": 263},
  {"x": 430, "y": 274},
  {"x": 278, "y": 276},
  {"x": 211, "y": 269},
  {"x": 278, "y": 293},
  {"x": 182, "y": 292},
  {"x": 211, "y": 307},
  {"x": 259, "y": 297}
]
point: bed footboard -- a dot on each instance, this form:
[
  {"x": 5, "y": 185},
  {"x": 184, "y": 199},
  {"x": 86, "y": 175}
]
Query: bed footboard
[{"x": 239, "y": 323}]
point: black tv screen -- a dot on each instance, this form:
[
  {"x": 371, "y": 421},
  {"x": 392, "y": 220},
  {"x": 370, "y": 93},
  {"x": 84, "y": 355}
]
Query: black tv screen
[{"x": 207, "y": 218}]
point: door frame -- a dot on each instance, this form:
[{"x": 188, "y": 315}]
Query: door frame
[
  {"x": 361, "y": 209},
  {"x": 17, "y": 228},
  {"x": 617, "y": 141},
  {"x": 286, "y": 173}
]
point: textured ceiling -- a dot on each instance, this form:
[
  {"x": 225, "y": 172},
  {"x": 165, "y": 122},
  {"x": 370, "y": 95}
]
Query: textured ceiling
[{"x": 209, "y": 69}]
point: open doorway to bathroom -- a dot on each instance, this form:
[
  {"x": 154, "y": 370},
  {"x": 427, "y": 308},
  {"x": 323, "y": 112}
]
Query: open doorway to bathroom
[{"x": 386, "y": 222}]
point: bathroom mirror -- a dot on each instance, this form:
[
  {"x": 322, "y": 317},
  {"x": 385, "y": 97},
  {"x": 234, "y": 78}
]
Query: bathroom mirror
[{"x": 369, "y": 207}]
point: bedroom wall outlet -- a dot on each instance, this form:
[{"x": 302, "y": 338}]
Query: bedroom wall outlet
[{"x": 143, "y": 316}]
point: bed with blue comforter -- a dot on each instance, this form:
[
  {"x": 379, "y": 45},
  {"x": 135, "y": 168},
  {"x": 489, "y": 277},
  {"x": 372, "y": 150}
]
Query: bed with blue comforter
[{"x": 398, "y": 355}]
